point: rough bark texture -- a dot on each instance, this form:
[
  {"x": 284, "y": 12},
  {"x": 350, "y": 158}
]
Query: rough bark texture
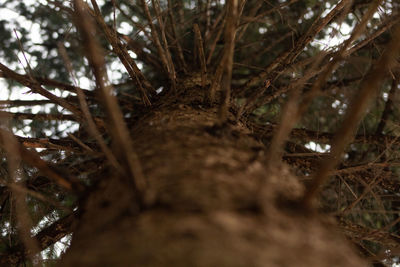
[{"x": 210, "y": 202}]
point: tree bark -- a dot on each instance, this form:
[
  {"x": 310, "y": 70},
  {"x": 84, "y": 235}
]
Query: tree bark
[{"x": 210, "y": 201}]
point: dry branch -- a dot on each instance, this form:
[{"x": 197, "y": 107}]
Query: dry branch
[
  {"x": 18, "y": 103},
  {"x": 91, "y": 123},
  {"x": 34, "y": 160},
  {"x": 176, "y": 42},
  {"x": 156, "y": 41},
  {"x": 37, "y": 116},
  {"x": 117, "y": 126},
  {"x": 227, "y": 59},
  {"x": 286, "y": 58},
  {"x": 46, "y": 237},
  {"x": 133, "y": 70},
  {"x": 388, "y": 106},
  {"x": 49, "y": 143},
  {"x": 264, "y": 132},
  {"x": 200, "y": 48},
  {"x": 358, "y": 106},
  {"x": 358, "y": 232},
  {"x": 24, "y": 221},
  {"x": 171, "y": 66},
  {"x": 36, "y": 88}
]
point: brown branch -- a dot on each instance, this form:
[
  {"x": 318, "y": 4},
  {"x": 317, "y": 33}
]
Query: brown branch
[
  {"x": 336, "y": 59},
  {"x": 171, "y": 66},
  {"x": 264, "y": 50},
  {"x": 294, "y": 109},
  {"x": 63, "y": 86},
  {"x": 38, "y": 116},
  {"x": 358, "y": 232},
  {"x": 286, "y": 58},
  {"x": 358, "y": 106},
  {"x": 242, "y": 27},
  {"x": 388, "y": 105},
  {"x": 134, "y": 72},
  {"x": 216, "y": 79},
  {"x": 66, "y": 9},
  {"x": 138, "y": 25},
  {"x": 214, "y": 26},
  {"x": 304, "y": 135},
  {"x": 155, "y": 38},
  {"x": 49, "y": 143},
  {"x": 176, "y": 43},
  {"x": 227, "y": 59},
  {"x": 80, "y": 143},
  {"x": 24, "y": 220},
  {"x": 18, "y": 103},
  {"x": 274, "y": 94},
  {"x": 216, "y": 82},
  {"x": 252, "y": 18},
  {"x": 386, "y": 25},
  {"x": 199, "y": 44},
  {"x": 91, "y": 123},
  {"x": 46, "y": 237},
  {"x": 288, "y": 120},
  {"x": 36, "y": 88},
  {"x": 138, "y": 49},
  {"x": 34, "y": 160},
  {"x": 364, "y": 167},
  {"x": 214, "y": 42},
  {"x": 117, "y": 126},
  {"x": 54, "y": 232}
]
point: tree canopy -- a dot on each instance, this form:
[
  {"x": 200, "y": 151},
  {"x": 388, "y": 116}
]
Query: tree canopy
[{"x": 316, "y": 82}]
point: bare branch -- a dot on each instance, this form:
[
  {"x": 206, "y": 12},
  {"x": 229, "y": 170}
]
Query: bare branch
[
  {"x": 37, "y": 116},
  {"x": 368, "y": 90},
  {"x": 129, "y": 64},
  {"x": 287, "y": 57},
  {"x": 117, "y": 125},
  {"x": 156, "y": 39},
  {"x": 199, "y": 44},
  {"x": 388, "y": 105},
  {"x": 227, "y": 59},
  {"x": 175, "y": 36},
  {"x": 171, "y": 66},
  {"x": 36, "y": 88}
]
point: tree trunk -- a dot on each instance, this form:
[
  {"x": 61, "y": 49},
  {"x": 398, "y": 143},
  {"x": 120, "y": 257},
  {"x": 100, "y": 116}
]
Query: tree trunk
[{"x": 210, "y": 202}]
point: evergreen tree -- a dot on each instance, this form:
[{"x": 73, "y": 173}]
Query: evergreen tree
[{"x": 199, "y": 133}]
